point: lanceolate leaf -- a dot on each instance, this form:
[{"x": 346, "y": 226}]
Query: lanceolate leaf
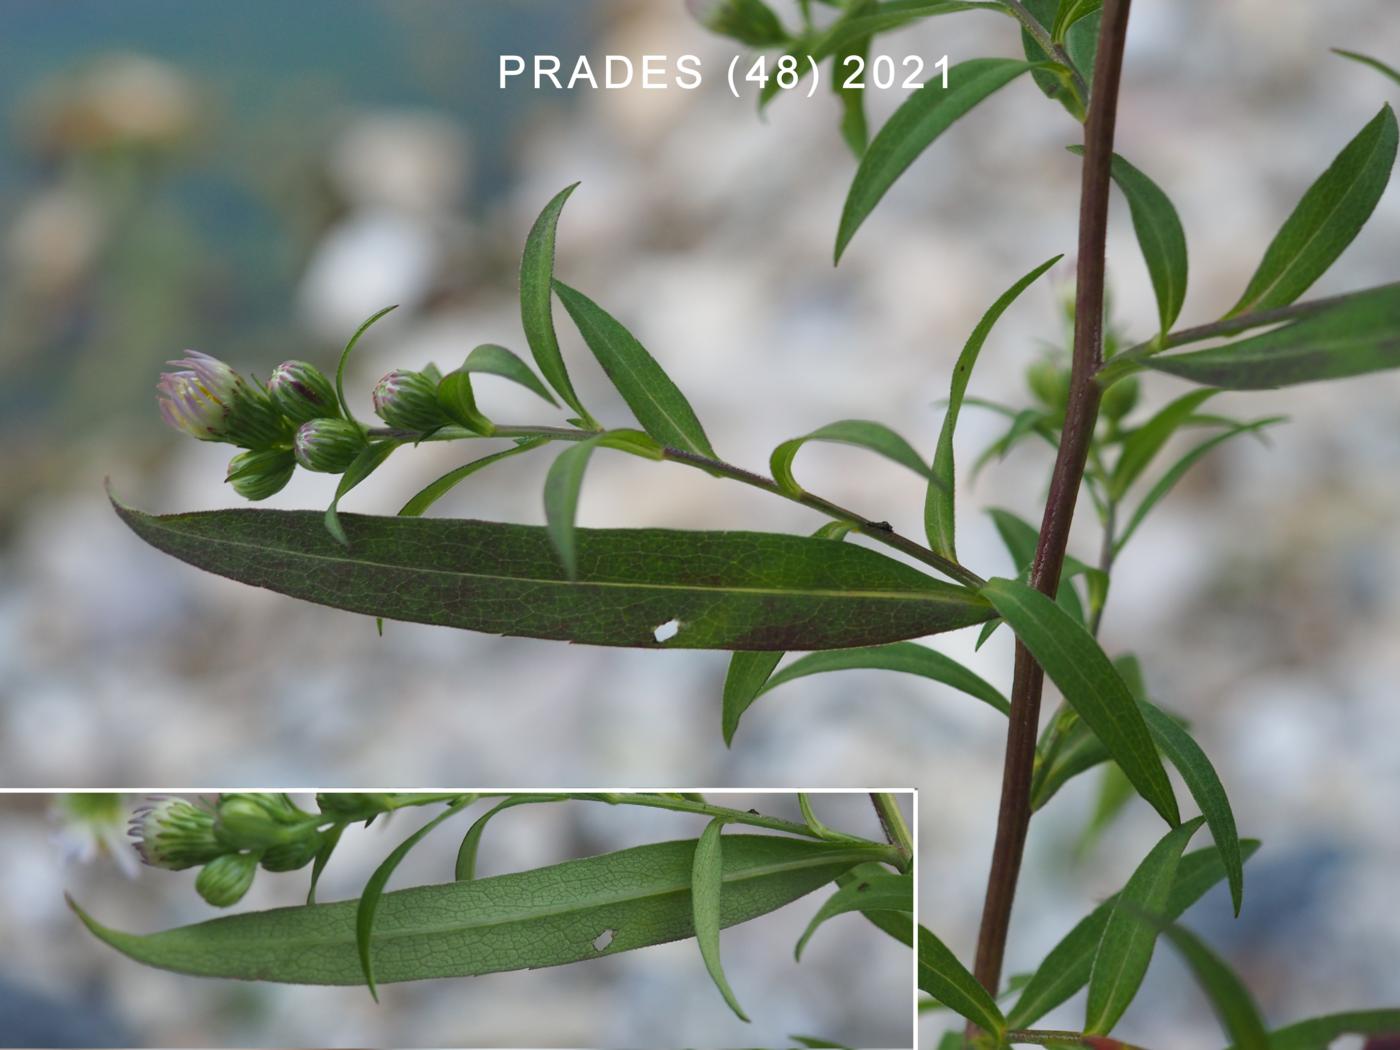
[
  {"x": 363, "y": 465},
  {"x": 1141, "y": 445},
  {"x": 1326, "y": 220},
  {"x": 877, "y": 892},
  {"x": 747, "y": 674},
  {"x": 1359, "y": 335},
  {"x": 939, "y": 504},
  {"x": 1125, "y": 948},
  {"x": 707, "y": 887},
  {"x": 658, "y": 404},
  {"x": 925, "y": 115},
  {"x": 345, "y": 357},
  {"x": 1374, "y": 63},
  {"x": 490, "y": 359},
  {"x": 942, "y": 976},
  {"x": 855, "y": 129},
  {"x": 537, "y": 301},
  {"x": 1090, "y": 684},
  {"x": 1020, "y": 538},
  {"x": 1232, "y": 1001},
  {"x": 725, "y": 590},
  {"x": 1159, "y": 234},
  {"x": 530, "y": 919},
  {"x": 1066, "y": 969},
  {"x": 561, "y": 492},
  {"x": 465, "y": 867},
  {"x": 875, "y": 437},
  {"x": 1070, "y": 12},
  {"x": 1318, "y": 1033},
  {"x": 431, "y": 493}
]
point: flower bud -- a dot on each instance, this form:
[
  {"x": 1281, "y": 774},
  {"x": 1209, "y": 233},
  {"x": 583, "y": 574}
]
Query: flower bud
[
  {"x": 224, "y": 880},
  {"x": 257, "y": 821},
  {"x": 302, "y": 392},
  {"x": 257, "y": 475},
  {"x": 1049, "y": 382},
  {"x": 175, "y": 833},
  {"x": 1119, "y": 399},
  {"x": 408, "y": 400},
  {"x": 328, "y": 445},
  {"x": 292, "y": 856},
  {"x": 748, "y": 21},
  {"x": 209, "y": 400}
]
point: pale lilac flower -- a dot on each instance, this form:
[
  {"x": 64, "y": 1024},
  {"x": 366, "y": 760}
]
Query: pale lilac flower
[{"x": 209, "y": 400}]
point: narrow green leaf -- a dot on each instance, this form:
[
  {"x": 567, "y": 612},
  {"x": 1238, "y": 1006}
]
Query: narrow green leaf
[
  {"x": 458, "y": 400},
  {"x": 465, "y": 867},
  {"x": 707, "y": 883},
  {"x": 561, "y": 492},
  {"x": 723, "y": 590},
  {"x": 431, "y": 493},
  {"x": 345, "y": 357},
  {"x": 942, "y": 976},
  {"x": 905, "y": 657},
  {"x": 657, "y": 402},
  {"x": 926, "y": 114},
  {"x": 373, "y": 892},
  {"x": 1020, "y": 538},
  {"x": 1359, "y": 335},
  {"x": 882, "y": 892},
  {"x": 1233, "y": 1004},
  {"x": 1158, "y": 229},
  {"x": 813, "y": 1043},
  {"x": 1066, "y": 968},
  {"x": 1326, "y": 220},
  {"x": 1143, "y": 443},
  {"x": 361, "y": 467},
  {"x": 1125, "y": 949},
  {"x": 1078, "y": 751},
  {"x": 939, "y": 510},
  {"x": 1318, "y": 1033},
  {"x": 1090, "y": 684},
  {"x": 742, "y": 685},
  {"x": 1171, "y": 477},
  {"x": 809, "y": 817},
  {"x": 1070, "y": 12},
  {"x": 1081, "y": 43},
  {"x": 898, "y": 924},
  {"x": 536, "y": 301},
  {"x": 491, "y": 359},
  {"x": 874, "y": 437},
  {"x": 855, "y": 129},
  {"x": 1367, "y": 60},
  {"x": 525, "y": 920},
  {"x": 329, "y": 840}
]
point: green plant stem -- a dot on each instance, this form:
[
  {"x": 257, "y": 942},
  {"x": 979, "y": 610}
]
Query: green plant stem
[
  {"x": 892, "y": 820},
  {"x": 1041, "y": 36},
  {"x": 1081, "y": 415},
  {"x": 876, "y": 530},
  {"x": 1048, "y": 1037}
]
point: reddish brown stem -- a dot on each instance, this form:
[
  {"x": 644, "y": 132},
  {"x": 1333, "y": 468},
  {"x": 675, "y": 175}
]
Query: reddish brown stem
[{"x": 1081, "y": 414}]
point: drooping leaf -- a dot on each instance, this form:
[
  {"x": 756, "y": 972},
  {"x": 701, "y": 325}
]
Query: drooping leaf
[
  {"x": 657, "y": 402},
  {"x": 1143, "y": 443},
  {"x": 1090, "y": 684},
  {"x": 939, "y": 503},
  {"x": 1158, "y": 229},
  {"x": 706, "y": 889},
  {"x": 744, "y": 681},
  {"x": 544, "y": 917},
  {"x": 537, "y": 301},
  {"x": 1359, "y": 335},
  {"x": 855, "y": 129},
  {"x": 373, "y": 892},
  {"x": 434, "y": 491},
  {"x": 491, "y": 359},
  {"x": 465, "y": 866},
  {"x": 1070, "y": 12},
  {"x": 1326, "y": 220},
  {"x": 369, "y": 460},
  {"x": 877, "y": 892},
  {"x": 898, "y": 924},
  {"x": 1318, "y": 1033},
  {"x": 345, "y": 357},
  {"x": 329, "y": 840},
  {"x": 942, "y": 976},
  {"x": 1367, "y": 60},
  {"x": 724, "y": 590},
  {"x": 1125, "y": 948},
  {"x": 874, "y": 437},
  {"x": 1233, "y": 1004},
  {"x": 1066, "y": 968},
  {"x": 926, "y": 114},
  {"x": 561, "y": 491}
]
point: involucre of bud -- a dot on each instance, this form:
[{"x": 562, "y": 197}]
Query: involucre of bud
[
  {"x": 1049, "y": 382},
  {"x": 408, "y": 401},
  {"x": 175, "y": 833},
  {"x": 292, "y": 856},
  {"x": 249, "y": 820},
  {"x": 328, "y": 445},
  {"x": 1119, "y": 399},
  {"x": 257, "y": 475},
  {"x": 209, "y": 400},
  {"x": 224, "y": 880},
  {"x": 302, "y": 392}
]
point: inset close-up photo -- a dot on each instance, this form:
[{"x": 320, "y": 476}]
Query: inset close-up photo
[{"x": 445, "y": 919}]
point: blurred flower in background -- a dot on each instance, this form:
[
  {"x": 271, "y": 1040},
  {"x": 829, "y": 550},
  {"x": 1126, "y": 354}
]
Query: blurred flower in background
[{"x": 93, "y": 826}]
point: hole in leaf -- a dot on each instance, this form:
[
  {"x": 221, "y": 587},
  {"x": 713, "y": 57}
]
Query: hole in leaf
[
  {"x": 601, "y": 942},
  {"x": 667, "y": 630}
]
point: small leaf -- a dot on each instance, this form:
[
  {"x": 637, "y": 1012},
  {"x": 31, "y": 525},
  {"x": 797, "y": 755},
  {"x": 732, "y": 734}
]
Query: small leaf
[
  {"x": 1357, "y": 336},
  {"x": 1142, "y": 444},
  {"x": 458, "y": 400},
  {"x": 1326, "y": 220},
  {"x": 1232, "y": 1002},
  {"x": 1081, "y": 43},
  {"x": 1367, "y": 60},
  {"x": 810, "y": 818},
  {"x": 855, "y": 130},
  {"x": 942, "y": 976},
  {"x": 707, "y": 881},
  {"x": 1090, "y": 684},
  {"x": 345, "y": 356},
  {"x": 658, "y": 404},
  {"x": 926, "y": 114},
  {"x": 1158, "y": 229},
  {"x": 361, "y": 467},
  {"x": 1066, "y": 968},
  {"x": 490, "y": 359},
  {"x": 742, "y": 686},
  {"x": 875, "y": 437},
  {"x": 374, "y": 889},
  {"x": 536, "y": 301},
  {"x": 329, "y": 840},
  {"x": 1318, "y": 1033},
  {"x": 876, "y": 892},
  {"x": 1070, "y": 12},
  {"x": 939, "y": 517},
  {"x": 430, "y": 494},
  {"x": 561, "y": 491},
  {"x": 545, "y": 917},
  {"x": 465, "y": 867},
  {"x": 1125, "y": 949}
]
